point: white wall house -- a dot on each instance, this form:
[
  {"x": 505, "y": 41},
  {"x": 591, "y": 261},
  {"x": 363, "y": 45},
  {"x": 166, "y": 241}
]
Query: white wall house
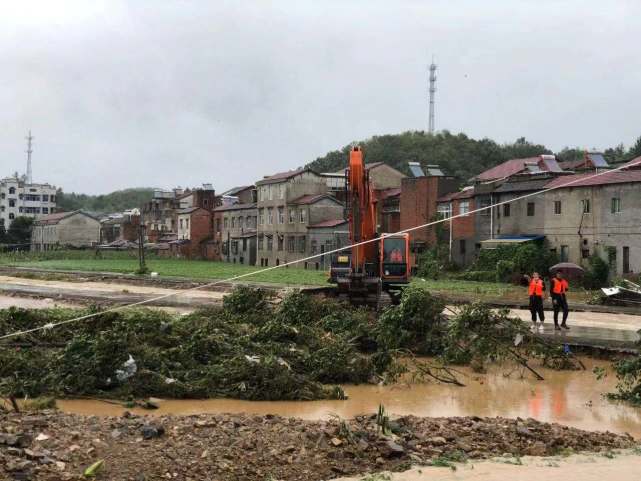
[{"x": 18, "y": 198}]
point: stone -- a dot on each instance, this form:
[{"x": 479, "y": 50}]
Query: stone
[
  {"x": 362, "y": 444},
  {"x": 393, "y": 449},
  {"x": 150, "y": 431},
  {"x": 336, "y": 442},
  {"x": 437, "y": 441}
]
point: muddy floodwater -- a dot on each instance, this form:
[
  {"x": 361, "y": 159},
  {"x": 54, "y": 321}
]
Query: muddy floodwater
[{"x": 572, "y": 398}]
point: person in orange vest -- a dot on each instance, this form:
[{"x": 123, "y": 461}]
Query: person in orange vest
[
  {"x": 396, "y": 255},
  {"x": 536, "y": 289},
  {"x": 559, "y": 300}
]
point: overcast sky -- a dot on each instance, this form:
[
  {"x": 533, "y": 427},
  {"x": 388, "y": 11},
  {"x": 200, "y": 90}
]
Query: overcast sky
[{"x": 154, "y": 93}]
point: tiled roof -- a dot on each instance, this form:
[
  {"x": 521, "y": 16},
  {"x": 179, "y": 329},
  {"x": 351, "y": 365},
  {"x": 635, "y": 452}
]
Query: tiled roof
[
  {"x": 235, "y": 190},
  {"x": 589, "y": 179},
  {"x": 524, "y": 186},
  {"x": 514, "y": 166},
  {"x": 311, "y": 198},
  {"x": 52, "y": 219},
  {"x": 327, "y": 223},
  {"x": 463, "y": 194},
  {"x": 633, "y": 164},
  {"x": 385, "y": 194},
  {"x": 283, "y": 176},
  {"x": 224, "y": 208}
]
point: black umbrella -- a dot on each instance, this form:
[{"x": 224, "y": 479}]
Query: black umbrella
[{"x": 568, "y": 269}]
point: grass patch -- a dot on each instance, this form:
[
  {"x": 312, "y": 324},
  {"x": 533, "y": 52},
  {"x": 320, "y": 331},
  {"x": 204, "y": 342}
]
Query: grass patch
[{"x": 193, "y": 269}]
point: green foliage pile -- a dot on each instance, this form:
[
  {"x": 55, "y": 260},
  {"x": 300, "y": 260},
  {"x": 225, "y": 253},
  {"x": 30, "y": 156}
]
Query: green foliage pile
[
  {"x": 248, "y": 349},
  {"x": 114, "y": 202},
  {"x": 416, "y": 324},
  {"x": 508, "y": 263},
  {"x": 628, "y": 372}
]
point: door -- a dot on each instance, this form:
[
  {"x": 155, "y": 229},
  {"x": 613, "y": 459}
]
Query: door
[{"x": 626, "y": 259}]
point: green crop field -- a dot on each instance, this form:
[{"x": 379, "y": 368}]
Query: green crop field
[{"x": 195, "y": 269}]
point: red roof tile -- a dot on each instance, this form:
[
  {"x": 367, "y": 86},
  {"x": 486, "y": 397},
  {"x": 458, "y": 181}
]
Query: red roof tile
[
  {"x": 514, "y": 166},
  {"x": 282, "y": 176},
  {"x": 589, "y": 179}
]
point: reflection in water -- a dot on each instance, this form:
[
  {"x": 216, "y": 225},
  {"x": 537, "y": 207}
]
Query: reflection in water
[{"x": 567, "y": 397}]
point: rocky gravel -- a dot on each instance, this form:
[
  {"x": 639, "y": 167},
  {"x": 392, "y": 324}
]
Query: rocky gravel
[{"x": 50, "y": 445}]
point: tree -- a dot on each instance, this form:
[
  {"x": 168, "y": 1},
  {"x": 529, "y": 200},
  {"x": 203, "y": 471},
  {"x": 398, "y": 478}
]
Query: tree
[
  {"x": 635, "y": 150},
  {"x": 20, "y": 230}
]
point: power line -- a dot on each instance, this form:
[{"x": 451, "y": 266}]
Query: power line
[{"x": 334, "y": 251}]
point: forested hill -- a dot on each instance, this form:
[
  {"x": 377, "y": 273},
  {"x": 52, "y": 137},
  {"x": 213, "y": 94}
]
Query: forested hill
[
  {"x": 458, "y": 155},
  {"x": 114, "y": 202}
]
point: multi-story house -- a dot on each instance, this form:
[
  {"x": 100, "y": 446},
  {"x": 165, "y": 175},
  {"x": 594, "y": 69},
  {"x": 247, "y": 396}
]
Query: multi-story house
[
  {"x": 121, "y": 228},
  {"x": 18, "y": 198},
  {"x": 288, "y": 203},
  {"x": 235, "y": 232}
]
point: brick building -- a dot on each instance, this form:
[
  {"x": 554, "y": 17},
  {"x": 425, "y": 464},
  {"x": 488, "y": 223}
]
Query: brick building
[
  {"x": 194, "y": 229},
  {"x": 120, "y": 228}
]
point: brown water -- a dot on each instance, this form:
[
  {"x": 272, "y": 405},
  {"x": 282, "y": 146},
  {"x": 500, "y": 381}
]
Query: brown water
[{"x": 573, "y": 398}]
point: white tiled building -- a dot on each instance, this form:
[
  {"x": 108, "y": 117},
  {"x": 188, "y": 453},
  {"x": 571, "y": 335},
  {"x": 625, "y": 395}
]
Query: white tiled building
[{"x": 18, "y": 198}]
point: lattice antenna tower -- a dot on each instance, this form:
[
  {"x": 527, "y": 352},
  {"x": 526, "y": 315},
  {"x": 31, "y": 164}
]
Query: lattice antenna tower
[
  {"x": 29, "y": 152},
  {"x": 432, "y": 91}
]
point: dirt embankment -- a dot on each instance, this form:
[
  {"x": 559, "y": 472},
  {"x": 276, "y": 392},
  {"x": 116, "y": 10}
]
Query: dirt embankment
[{"x": 53, "y": 446}]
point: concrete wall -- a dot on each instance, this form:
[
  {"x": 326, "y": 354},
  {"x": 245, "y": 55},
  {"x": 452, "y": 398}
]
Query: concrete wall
[
  {"x": 326, "y": 239},
  {"x": 519, "y": 222},
  {"x": 600, "y": 230}
]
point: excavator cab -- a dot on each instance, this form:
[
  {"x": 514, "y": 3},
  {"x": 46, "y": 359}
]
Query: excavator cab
[{"x": 394, "y": 265}]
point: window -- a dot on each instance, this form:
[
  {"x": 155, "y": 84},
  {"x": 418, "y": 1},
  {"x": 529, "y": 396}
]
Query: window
[
  {"x": 313, "y": 247},
  {"x": 217, "y": 225},
  {"x": 234, "y": 247},
  {"x": 281, "y": 242},
  {"x": 241, "y": 221},
  {"x": 626, "y": 260},
  {"x": 261, "y": 216},
  {"x": 464, "y": 207},
  {"x": 462, "y": 247},
  {"x": 32, "y": 198},
  {"x": 226, "y": 222},
  {"x": 303, "y": 216},
  {"x": 557, "y": 207},
  {"x": 585, "y": 206},
  {"x": 484, "y": 203},
  {"x": 181, "y": 223},
  {"x": 270, "y": 216},
  {"x": 444, "y": 211},
  {"x": 233, "y": 222},
  {"x": 506, "y": 210},
  {"x": 615, "y": 205},
  {"x": 282, "y": 191},
  {"x": 260, "y": 243},
  {"x": 291, "y": 241},
  {"x": 565, "y": 253},
  {"x": 45, "y": 198},
  {"x": 292, "y": 215},
  {"x": 270, "y": 243},
  {"x": 186, "y": 223},
  {"x": 612, "y": 257},
  {"x": 12, "y": 215},
  {"x": 12, "y": 190},
  {"x": 530, "y": 209},
  {"x": 302, "y": 243},
  {"x": 205, "y": 202},
  {"x": 585, "y": 253},
  {"x": 281, "y": 215},
  {"x": 12, "y": 202},
  {"x": 244, "y": 247},
  {"x": 271, "y": 193}
]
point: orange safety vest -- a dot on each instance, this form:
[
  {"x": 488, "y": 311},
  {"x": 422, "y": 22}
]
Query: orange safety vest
[
  {"x": 560, "y": 286},
  {"x": 536, "y": 288}
]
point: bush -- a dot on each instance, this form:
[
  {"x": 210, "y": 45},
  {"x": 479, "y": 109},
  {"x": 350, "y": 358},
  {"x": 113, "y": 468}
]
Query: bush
[
  {"x": 597, "y": 273},
  {"x": 477, "y": 276},
  {"x": 526, "y": 257},
  {"x": 504, "y": 271}
]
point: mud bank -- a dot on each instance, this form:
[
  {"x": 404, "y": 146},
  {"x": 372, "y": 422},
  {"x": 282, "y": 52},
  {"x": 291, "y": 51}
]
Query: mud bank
[{"x": 55, "y": 446}]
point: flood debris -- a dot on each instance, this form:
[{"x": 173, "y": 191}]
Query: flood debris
[
  {"x": 251, "y": 348},
  {"x": 271, "y": 447}
]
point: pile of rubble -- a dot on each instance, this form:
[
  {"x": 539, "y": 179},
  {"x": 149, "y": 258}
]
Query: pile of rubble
[{"x": 54, "y": 446}]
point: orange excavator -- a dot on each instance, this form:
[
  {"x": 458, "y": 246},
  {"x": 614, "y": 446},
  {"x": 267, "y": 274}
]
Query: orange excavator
[{"x": 373, "y": 273}]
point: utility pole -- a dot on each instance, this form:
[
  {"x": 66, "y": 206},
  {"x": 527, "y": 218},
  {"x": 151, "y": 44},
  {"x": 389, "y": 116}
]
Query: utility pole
[
  {"x": 432, "y": 91},
  {"x": 29, "y": 152},
  {"x": 142, "y": 265}
]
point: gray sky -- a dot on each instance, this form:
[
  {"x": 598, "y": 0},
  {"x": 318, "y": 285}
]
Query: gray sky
[{"x": 153, "y": 93}]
